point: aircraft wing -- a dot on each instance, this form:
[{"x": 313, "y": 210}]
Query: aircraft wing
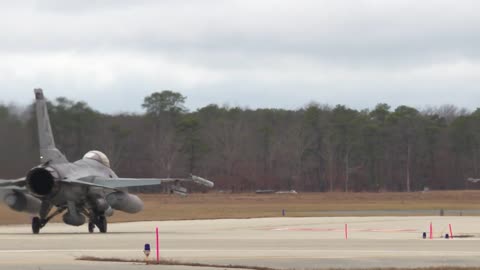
[
  {"x": 12, "y": 183},
  {"x": 22, "y": 189},
  {"x": 7, "y": 186},
  {"x": 115, "y": 183}
]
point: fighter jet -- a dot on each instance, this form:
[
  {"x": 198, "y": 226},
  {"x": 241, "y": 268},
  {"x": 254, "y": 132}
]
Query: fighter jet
[{"x": 85, "y": 189}]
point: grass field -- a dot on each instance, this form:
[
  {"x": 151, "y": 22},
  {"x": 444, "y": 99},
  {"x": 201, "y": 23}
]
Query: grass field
[
  {"x": 173, "y": 262},
  {"x": 221, "y": 205}
]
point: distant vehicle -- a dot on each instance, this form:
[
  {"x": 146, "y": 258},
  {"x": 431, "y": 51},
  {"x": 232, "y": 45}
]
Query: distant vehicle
[
  {"x": 264, "y": 191},
  {"x": 286, "y": 192},
  {"x": 85, "y": 189},
  {"x": 271, "y": 191}
]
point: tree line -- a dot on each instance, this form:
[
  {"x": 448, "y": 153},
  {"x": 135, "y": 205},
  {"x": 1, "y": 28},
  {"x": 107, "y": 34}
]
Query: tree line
[{"x": 315, "y": 148}]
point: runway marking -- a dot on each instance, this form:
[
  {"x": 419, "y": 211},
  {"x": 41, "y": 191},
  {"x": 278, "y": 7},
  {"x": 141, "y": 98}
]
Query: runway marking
[{"x": 340, "y": 230}]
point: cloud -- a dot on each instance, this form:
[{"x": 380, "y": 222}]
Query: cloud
[{"x": 249, "y": 53}]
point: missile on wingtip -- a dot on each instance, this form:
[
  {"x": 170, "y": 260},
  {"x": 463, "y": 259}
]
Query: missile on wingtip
[
  {"x": 473, "y": 180},
  {"x": 202, "y": 181}
]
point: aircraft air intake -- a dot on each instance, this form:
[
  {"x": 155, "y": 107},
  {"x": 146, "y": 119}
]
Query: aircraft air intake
[{"x": 42, "y": 181}]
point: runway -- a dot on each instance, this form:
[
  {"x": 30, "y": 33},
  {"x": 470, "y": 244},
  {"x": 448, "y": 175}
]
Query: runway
[{"x": 273, "y": 242}]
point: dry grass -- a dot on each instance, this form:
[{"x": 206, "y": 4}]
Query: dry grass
[
  {"x": 209, "y": 206},
  {"x": 174, "y": 262},
  {"x": 219, "y": 205}
]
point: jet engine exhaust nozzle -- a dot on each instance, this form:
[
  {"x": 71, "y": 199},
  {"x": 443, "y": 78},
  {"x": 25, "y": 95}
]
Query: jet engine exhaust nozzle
[{"x": 42, "y": 181}]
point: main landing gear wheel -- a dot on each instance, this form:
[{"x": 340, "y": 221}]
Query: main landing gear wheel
[
  {"x": 102, "y": 224},
  {"x": 91, "y": 227},
  {"x": 36, "y": 225}
]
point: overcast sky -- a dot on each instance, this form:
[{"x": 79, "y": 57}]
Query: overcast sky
[{"x": 280, "y": 54}]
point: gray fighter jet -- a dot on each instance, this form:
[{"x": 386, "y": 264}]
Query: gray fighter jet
[{"x": 85, "y": 189}]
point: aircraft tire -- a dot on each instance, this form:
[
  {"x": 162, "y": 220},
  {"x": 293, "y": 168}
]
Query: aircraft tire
[
  {"x": 91, "y": 227},
  {"x": 36, "y": 225},
  {"x": 102, "y": 224}
]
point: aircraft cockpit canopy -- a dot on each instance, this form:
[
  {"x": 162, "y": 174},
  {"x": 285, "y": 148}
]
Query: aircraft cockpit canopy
[{"x": 98, "y": 156}]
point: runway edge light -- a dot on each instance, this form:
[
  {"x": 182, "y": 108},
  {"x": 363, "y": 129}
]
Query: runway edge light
[{"x": 146, "y": 251}]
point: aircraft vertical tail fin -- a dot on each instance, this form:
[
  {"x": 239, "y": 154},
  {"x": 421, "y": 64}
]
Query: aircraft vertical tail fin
[{"x": 48, "y": 151}]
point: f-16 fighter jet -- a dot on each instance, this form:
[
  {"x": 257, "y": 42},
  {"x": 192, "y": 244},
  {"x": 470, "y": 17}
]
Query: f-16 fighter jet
[{"x": 87, "y": 189}]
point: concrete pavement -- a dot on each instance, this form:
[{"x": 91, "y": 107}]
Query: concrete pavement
[{"x": 274, "y": 242}]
